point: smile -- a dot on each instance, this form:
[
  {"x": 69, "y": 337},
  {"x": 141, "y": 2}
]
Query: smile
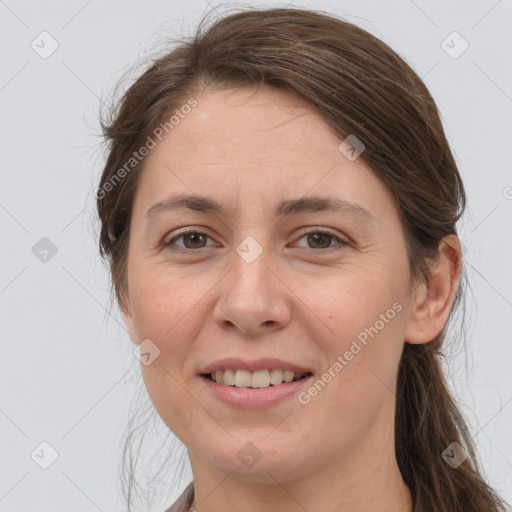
[
  {"x": 244, "y": 396},
  {"x": 258, "y": 379}
]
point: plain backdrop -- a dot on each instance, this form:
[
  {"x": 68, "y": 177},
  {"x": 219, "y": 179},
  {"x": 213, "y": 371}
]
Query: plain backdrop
[{"x": 68, "y": 373}]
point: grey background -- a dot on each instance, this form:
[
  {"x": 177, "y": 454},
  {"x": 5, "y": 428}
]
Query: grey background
[{"x": 67, "y": 369}]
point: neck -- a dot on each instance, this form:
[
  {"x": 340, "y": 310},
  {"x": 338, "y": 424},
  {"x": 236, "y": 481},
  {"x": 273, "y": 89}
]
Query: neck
[{"x": 390, "y": 493}]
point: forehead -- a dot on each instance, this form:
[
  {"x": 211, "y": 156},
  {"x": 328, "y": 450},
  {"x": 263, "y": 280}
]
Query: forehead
[
  {"x": 260, "y": 146},
  {"x": 249, "y": 122}
]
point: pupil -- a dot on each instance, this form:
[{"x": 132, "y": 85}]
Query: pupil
[
  {"x": 321, "y": 235},
  {"x": 193, "y": 235}
]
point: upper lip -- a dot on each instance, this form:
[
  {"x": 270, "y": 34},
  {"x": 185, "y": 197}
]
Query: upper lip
[{"x": 236, "y": 363}]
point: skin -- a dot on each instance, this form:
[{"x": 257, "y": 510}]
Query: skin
[{"x": 249, "y": 149}]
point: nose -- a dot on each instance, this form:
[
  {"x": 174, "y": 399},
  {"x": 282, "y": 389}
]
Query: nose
[{"x": 253, "y": 297}]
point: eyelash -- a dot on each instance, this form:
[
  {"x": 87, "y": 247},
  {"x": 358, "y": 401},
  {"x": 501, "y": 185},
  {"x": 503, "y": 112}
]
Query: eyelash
[{"x": 187, "y": 231}]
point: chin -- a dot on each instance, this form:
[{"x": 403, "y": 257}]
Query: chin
[{"x": 261, "y": 461}]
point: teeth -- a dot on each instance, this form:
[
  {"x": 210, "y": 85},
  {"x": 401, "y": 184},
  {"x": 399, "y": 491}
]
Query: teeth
[
  {"x": 227, "y": 376},
  {"x": 243, "y": 379},
  {"x": 276, "y": 376},
  {"x": 257, "y": 379},
  {"x": 260, "y": 379}
]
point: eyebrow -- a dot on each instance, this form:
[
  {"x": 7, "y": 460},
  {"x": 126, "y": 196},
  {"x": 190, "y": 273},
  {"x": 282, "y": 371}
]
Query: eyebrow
[{"x": 285, "y": 207}]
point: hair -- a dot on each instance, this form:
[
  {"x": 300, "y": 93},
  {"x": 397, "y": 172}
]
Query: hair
[{"x": 360, "y": 86}]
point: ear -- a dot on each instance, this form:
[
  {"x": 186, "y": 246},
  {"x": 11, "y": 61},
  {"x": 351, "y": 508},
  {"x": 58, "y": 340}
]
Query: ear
[
  {"x": 126, "y": 309},
  {"x": 128, "y": 320},
  {"x": 433, "y": 300}
]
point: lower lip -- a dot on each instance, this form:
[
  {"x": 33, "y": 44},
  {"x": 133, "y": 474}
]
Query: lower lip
[{"x": 250, "y": 398}]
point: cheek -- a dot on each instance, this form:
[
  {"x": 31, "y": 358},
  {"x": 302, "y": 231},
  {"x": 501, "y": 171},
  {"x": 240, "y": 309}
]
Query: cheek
[
  {"x": 164, "y": 306},
  {"x": 170, "y": 400},
  {"x": 359, "y": 373},
  {"x": 352, "y": 301},
  {"x": 359, "y": 329},
  {"x": 165, "y": 312}
]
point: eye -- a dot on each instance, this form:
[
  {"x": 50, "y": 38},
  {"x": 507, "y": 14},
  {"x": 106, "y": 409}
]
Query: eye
[
  {"x": 194, "y": 239},
  {"x": 191, "y": 235},
  {"x": 321, "y": 238}
]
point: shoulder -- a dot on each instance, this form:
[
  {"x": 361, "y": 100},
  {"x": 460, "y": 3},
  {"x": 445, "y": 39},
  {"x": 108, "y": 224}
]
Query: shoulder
[{"x": 184, "y": 502}]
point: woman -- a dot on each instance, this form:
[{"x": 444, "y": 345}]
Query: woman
[{"x": 279, "y": 208}]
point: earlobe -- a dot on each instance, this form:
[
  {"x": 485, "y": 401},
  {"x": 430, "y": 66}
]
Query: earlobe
[{"x": 433, "y": 300}]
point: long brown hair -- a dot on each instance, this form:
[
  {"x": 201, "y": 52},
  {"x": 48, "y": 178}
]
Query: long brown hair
[{"x": 359, "y": 85}]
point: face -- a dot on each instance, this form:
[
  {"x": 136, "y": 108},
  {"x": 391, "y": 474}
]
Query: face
[{"x": 320, "y": 288}]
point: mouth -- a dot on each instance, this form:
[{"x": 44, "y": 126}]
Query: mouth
[
  {"x": 260, "y": 379},
  {"x": 262, "y": 388}
]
